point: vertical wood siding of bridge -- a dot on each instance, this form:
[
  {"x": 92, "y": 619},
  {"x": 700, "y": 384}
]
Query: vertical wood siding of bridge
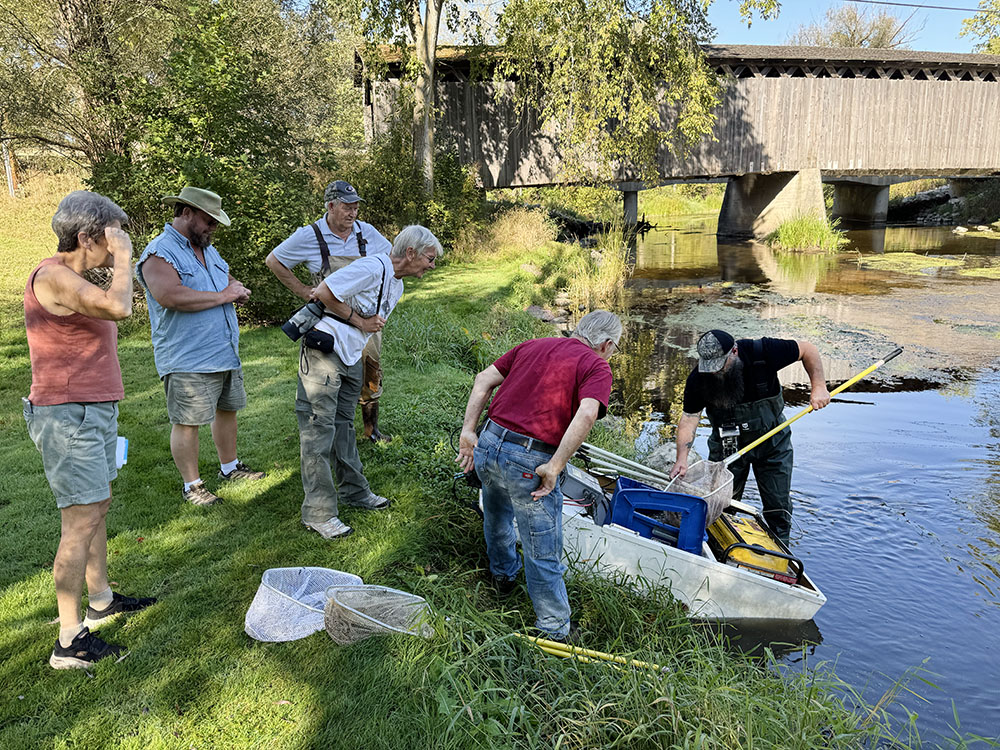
[{"x": 841, "y": 126}]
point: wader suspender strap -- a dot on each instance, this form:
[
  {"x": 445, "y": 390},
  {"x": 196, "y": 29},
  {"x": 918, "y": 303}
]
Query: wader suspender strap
[
  {"x": 759, "y": 374},
  {"x": 361, "y": 241},
  {"x": 378, "y": 307},
  {"x": 324, "y": 249}
]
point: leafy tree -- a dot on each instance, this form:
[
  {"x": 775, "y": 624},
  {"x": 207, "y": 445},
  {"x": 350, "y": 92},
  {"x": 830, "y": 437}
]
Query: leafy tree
[
  {"x": 71, "y": 70},
  {"x": 985, "y": 26},
  {"x": 601, "y": 70},
  {"x": 66, "y": 67},
  {"x": 235, "y": 109},
  {"x": 607, "y": 73},
  {"x": 850, "y": 26}
]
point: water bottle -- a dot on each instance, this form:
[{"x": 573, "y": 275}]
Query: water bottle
[{"x": 303, "y": 319}]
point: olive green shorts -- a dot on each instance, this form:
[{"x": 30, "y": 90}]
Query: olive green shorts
[
  {"x": 77, "y": 443},
  {"x": 194, "y": 397}
]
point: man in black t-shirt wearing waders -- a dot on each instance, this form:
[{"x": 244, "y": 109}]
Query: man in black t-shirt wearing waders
[{"x": 736, "y": 382}]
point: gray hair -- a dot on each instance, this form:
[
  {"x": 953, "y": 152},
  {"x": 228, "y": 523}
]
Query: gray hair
[
  {"x": 599, "y": 326},
  {"x": 415, "y": 236},
  {"x": 87, "y": 212}
]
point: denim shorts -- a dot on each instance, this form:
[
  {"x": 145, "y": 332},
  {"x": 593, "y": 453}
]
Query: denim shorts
[
  {"x": 194, "y": 397},
  {"x": 77, "y": 443}
]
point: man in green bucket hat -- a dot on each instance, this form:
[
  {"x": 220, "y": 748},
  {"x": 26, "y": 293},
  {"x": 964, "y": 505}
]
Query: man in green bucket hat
[{"x": 196, "y": 336}]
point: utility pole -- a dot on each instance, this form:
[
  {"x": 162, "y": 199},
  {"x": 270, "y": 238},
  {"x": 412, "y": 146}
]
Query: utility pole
[{"x": 8, "y": 168}]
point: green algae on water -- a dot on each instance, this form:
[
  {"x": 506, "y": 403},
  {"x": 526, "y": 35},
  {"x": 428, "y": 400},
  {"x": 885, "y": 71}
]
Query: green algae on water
[{"x": 907, "y": 262}]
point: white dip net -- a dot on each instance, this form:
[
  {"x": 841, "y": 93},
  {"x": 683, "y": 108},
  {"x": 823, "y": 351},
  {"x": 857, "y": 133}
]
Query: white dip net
[
  {"x": 289, "y": 603},
  {"x": 354, "y": 613},
  {"x": 710, "y": 480}
]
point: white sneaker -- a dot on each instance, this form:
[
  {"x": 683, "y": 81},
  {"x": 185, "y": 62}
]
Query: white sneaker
[
  {"x": 372, "y": 502},
  {"x": 330, "y": 529}
]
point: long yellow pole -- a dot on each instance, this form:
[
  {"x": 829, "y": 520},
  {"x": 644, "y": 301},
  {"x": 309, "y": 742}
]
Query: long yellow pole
[
  {"x": 808, "y": 409},
  {"x": 556, "y": 648}
]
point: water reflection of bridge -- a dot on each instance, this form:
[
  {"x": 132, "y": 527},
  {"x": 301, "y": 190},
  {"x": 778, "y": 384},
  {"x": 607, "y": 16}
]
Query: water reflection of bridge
[
  {"x": 788, "y": 118},
  {"x": 688, "y": 252}
]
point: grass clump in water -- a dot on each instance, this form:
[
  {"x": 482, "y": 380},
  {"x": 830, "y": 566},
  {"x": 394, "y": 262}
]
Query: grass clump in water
[{"x": 807, "y": 233}]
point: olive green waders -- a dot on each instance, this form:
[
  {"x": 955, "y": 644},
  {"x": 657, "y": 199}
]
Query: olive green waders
[{"x": 771, "y": 461}]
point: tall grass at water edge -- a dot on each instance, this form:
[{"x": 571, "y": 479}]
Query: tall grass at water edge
[
  {"x": 597, "y": 278},
  {"x": 806, "y": 233},
  {"x": 193, "y": 678},
  {"x": 592, "y": 278},
  {"x": 675, "y": 200}
]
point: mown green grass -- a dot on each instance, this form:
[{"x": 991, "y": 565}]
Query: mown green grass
[
  {"x": 194, "y": 679},
  {"x": 807, "y": 232}
]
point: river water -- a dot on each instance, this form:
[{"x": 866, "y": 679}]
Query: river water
[{"x": 896, "y": 490}]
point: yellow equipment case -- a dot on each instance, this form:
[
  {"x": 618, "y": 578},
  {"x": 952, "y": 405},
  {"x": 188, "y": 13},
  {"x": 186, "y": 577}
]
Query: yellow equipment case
[{"x": 745, "y": 542}]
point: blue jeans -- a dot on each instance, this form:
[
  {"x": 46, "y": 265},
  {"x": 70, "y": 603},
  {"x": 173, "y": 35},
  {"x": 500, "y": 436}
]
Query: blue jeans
[{"x": 507, "y": 472}]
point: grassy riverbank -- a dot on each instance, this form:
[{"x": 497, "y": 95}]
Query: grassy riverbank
[{"x": 194, "y": 679}]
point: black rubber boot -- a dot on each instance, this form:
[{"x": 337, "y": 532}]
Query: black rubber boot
[{"x": 369, "y": 414}]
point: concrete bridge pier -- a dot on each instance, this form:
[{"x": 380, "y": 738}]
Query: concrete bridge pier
[
  {"x": 630, "y": 201},
  {"x": 861, "y": 202},
  {"x": 755, "y": 204}
]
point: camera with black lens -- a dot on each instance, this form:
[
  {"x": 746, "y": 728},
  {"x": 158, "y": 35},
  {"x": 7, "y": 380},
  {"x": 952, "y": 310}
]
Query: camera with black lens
[{"x": 303, "y": 319}]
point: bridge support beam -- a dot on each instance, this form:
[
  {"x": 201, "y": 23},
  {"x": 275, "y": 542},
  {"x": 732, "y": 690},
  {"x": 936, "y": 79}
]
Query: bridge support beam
[
  {"x": 755, "y": 204},
  {"x": 631, "y": 202},
  {"x": 859, "y": 203}
]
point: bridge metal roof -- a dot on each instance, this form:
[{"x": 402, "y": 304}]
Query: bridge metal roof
[{"x": 758, "y": 53}]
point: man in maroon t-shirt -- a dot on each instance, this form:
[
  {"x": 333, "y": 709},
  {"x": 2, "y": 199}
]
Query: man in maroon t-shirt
[{"x": 551, "y": 391}]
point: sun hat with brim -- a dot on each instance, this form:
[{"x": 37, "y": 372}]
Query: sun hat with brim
[
  {"x": 205, "y": 200},
  {"x": 713, "y": 350}
]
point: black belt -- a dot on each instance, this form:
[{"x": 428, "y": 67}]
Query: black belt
[{"x": 509, "y": 436}]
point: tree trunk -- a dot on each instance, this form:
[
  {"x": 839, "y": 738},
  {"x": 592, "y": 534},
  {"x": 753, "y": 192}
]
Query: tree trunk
[
  {"x": 8, "y": 169},
  {"x": 426, "y": 31}
]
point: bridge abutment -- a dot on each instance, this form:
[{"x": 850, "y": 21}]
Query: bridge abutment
[
  {"x": 756, "y": 204},
  {"x": 861, "y": 203}
]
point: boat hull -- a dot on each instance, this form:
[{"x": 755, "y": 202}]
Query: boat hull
[{"x": 711, "y": 590}]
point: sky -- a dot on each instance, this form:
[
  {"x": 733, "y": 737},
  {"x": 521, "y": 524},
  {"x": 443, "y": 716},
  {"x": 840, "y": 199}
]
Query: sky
[{"x": 939, "y": 33}]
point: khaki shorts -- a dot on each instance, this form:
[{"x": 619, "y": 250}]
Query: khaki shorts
[
  {"x": 194, "y": 397},
  {"x": 77, "y": 443}
]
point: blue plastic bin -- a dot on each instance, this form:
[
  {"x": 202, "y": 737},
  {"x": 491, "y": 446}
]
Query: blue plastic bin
[{"x": 632, "y": 498}]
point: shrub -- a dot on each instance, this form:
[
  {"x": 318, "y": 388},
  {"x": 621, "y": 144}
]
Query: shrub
[{"x": 982, "y": 201}]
